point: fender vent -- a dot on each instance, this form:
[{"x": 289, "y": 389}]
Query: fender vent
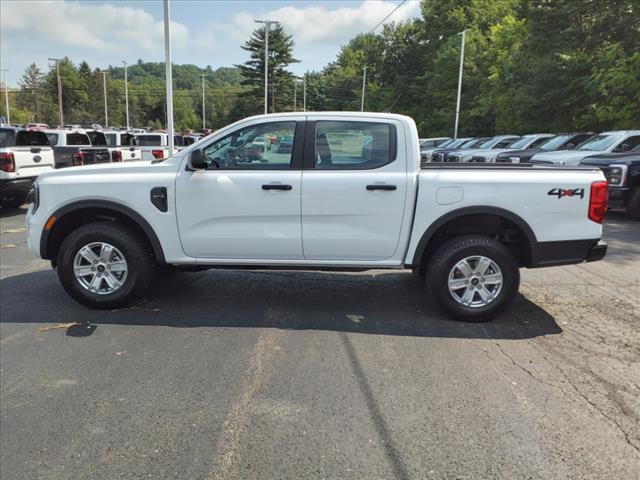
[{"x": 159, "y": 198}]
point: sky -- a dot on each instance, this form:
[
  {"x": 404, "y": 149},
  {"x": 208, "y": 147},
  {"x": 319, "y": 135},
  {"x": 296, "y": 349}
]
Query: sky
[{"x": 204, "y": 32}]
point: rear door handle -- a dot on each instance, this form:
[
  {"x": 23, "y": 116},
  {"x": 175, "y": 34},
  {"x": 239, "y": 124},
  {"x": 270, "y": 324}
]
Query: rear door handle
[
  {"x": 276, "y": 186},
  {"x": 381, "y": 187}
]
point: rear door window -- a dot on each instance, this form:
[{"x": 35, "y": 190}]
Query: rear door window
[{"x": 352, "y": 145}]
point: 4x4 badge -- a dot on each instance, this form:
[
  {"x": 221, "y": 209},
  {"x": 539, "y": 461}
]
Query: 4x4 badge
[{"x": 566, "y": 192}]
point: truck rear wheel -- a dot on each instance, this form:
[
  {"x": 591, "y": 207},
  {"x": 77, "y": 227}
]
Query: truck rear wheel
[
  {"x": 104, "y": 265},
  {"x": 473, "y": 278},
  {"x": 633, "y": 204}
]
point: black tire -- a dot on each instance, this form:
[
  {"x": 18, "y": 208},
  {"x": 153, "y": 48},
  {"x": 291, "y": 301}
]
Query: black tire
[
  {"x": 449, "y": 254},
  {"x": 633, "y": 204},
  {"x": 140, "y": 264}
]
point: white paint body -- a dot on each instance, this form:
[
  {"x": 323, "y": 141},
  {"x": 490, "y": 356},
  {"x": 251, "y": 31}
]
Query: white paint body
[{"x": 328, "y": 218}]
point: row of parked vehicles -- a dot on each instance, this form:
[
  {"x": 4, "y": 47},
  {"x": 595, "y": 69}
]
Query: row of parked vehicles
[
  {"x": 26, "y": 152},
  {"x": 617, "y": 153}
]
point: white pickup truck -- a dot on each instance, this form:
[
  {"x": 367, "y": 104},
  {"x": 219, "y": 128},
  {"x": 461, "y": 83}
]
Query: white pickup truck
[
  {"x": 24, "y": 154},
  {"x": 349, "y": 195}
]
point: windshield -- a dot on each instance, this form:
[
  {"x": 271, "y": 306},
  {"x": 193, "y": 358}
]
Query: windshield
[
  {"x": 599, "y": 143},
  {"x": 522, "y": 143},
  {"x": 488, "y": 144},
  {"x": 475, "y": 142},
  {"x": 554, "y": 143}
]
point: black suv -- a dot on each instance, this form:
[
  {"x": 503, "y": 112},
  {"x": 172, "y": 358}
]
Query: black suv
[{"x": 622, "y": 171}]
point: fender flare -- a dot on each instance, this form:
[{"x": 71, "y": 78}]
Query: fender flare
[
  {"x": 108, "y": 205},
  {"x": 462, "y": 212}
]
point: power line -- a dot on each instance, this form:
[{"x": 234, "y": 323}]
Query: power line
[{"x": 390, "y": 13}]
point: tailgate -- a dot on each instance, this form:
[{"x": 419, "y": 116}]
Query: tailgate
[
  {"x": 32, "y": 161},
  {"x": 96, "y": 155}
]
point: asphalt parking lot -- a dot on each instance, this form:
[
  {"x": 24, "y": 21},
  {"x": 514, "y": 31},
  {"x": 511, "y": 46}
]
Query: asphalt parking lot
[{"x": 232, "y": 374}]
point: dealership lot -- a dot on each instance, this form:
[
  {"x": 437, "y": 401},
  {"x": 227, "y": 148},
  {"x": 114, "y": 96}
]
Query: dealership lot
[{"x": 263, "y": 374}]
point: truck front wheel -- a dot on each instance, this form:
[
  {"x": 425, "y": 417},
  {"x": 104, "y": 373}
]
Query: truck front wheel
[
  {"x": 104, "y": 265},
  {"x": 473, "y": 278}
]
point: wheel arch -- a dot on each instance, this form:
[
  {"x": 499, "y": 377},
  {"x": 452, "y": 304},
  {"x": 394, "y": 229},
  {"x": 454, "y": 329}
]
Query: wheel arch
[
  {"x": 476, "y": 215},
  {"x": 72, "y": 215}
]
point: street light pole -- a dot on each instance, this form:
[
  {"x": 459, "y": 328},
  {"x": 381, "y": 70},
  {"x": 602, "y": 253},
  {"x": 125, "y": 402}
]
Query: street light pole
[
  {"x": 204, "y": 123},
  {"x": 304, "y": 93},
  {"x": 364, "y": 81},
  {"x": 6, "y": 95},
  {"x": 104, "y": 85},
  {"x": 464, "y": 36},
  {"x": 168, "y": 75},
  {"x": 295, "y": 92},
  {"x": 57, "y": 60},
  {"x": 126, "y": 92},
  {"x": 267, "y": 24}
]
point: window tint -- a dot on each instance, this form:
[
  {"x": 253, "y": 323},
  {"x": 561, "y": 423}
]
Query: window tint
[
  {"x": 149, "y": 140},
  {"x": 536, "y": 143},
  {"x": 128, "y": 139},
  {"x": 31, "y": 139},
  {"x": 599, "y": 143},
  {"x": 7, "y": 137},
  {"x": 97, "y": 138},
  {"x": 628, "y": 144},
  {"x": 248, "y": 149},
  {"x": 504, "y": 143},
  {"x": 53, "y": 138},
  {"x": 353, "y": 145},
  {"x": 78, "y": 139}
]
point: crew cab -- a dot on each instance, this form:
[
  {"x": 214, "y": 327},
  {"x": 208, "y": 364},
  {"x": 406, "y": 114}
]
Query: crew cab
[
  {"x": 350, "y": 195},
  {"x": 73, "y": 148},
  {"x": 526, "y": 141},
  {"x": 622, "y": 171},
  {"x": 561, "y": 141},
  {"x": 24, "y": 154},
  {"x": 606, "y": 142},
  {"x": 123, "y": 146}
]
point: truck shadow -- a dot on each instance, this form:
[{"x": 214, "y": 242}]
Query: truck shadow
[{"x": 378, "y": 303}]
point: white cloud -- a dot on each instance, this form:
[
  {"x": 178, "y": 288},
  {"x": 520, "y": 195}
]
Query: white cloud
[
  {"x": 105, "y": 27},
  {"x": 317, "y": 23}
]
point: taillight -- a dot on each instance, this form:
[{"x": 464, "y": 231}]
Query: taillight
[
  {"x": 598, "y": 201},
  {"x": 157, "y": 153},
  {"x": 116, "y": 156},
  {"x": 7, "y": 162},
  {"x": 77, "y": 158}
]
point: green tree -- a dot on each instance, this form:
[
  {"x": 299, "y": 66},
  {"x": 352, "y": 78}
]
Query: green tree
[
  {"x": 30, "y": 96},
  {"x": 280, "y": 79}
]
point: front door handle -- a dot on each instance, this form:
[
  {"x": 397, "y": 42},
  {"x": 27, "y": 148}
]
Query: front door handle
[
  {"x": 276, "y": 186},
  {"x": 381, "y": 187}
]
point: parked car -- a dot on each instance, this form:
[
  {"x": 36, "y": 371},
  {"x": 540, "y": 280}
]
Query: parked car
[
  {"x": 285, "y": 144},
  {"x": 36, "y": 125},
  {"x": 123, "y": 146},
  {"x": 153, "y": 145},
  {"x": 622, "y": 171},
  {"x": 562, "y": 141},
  {"x": 109, "y": 229},
  {"x": 498, "y": 142},
  {"x": 526, "y": 141},
  {"x": 606, "y": 142},
  {"x": 73, "y": 148},
  {"x": 438, "y": 154},
  {"x": 433, "y": 142},
  {"x": 24, "y": 154}
]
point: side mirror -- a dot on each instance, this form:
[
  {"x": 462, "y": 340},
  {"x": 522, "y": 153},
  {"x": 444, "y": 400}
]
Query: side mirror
[{"x": 196, "y": 160}]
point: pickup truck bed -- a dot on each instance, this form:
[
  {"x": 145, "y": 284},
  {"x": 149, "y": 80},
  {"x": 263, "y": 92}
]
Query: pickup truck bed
[{"x": 350, "y": 194}]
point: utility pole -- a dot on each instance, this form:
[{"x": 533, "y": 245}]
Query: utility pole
[
  {"x": 267, "y": 24},
  {"x": 304, "y": 93},
  {"x": 126, "y": 92},
  {"x": 455, "y": 130},
  {"x": 104, "y": 85},
  {"x": 57, "y": 60},
  {"x": 6, "y": 95},
  {"x": 204, "y": 123},
  {"x": 168, "y": 75},
  {"x": 364, "y": 81}
]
